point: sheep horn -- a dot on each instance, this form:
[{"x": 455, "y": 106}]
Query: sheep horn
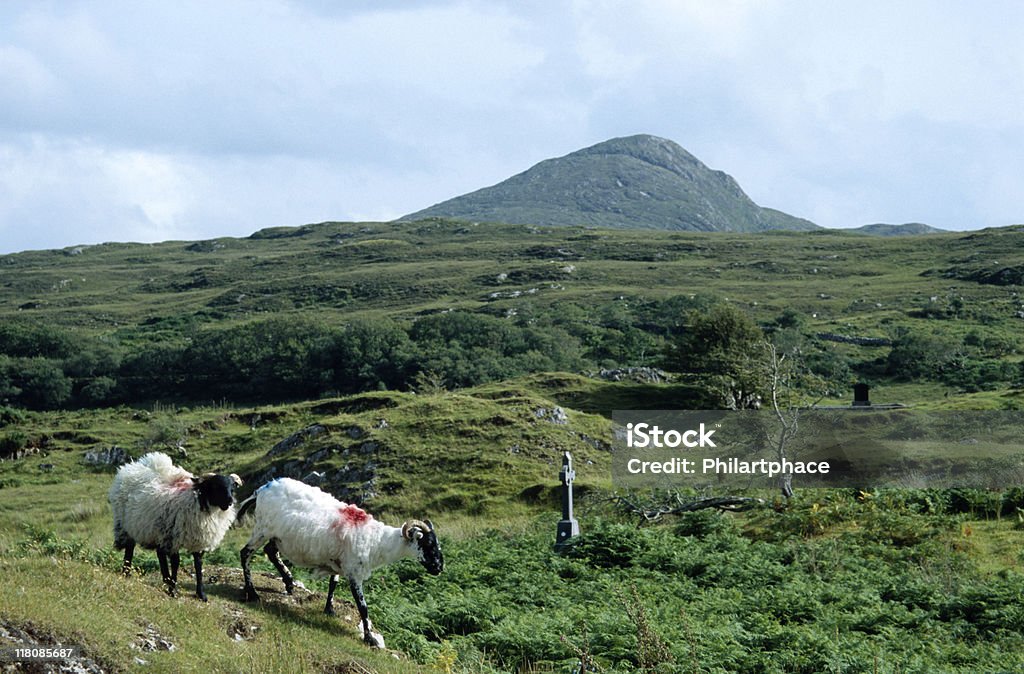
[
  {"x": 237, "y": 480},
  {"x": 413, "y": 527}
]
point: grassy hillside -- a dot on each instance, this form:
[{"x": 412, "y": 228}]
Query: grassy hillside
[
  {"x": 495, "y": 336},
  {"x": 834, "y": 580},
  {"x": 293, "y": 313},
  {"x": 340, "y": 270}
]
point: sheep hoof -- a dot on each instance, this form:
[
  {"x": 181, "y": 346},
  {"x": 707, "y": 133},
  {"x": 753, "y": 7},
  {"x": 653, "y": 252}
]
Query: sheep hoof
[
  {"x": 330, "y": 611},
  {"x": 374, "y": 640},
  {"x": 250, "y": 595},
  {"x": 201, "y": 597}
]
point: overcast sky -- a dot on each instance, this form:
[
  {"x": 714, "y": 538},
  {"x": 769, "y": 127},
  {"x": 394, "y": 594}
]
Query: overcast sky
[{"x": 148, "y": 121}]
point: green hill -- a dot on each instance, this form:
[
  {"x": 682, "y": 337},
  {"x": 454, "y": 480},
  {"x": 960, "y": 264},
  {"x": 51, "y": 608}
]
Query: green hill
[
  {"x": 637, "y": 182},
  {"x": 439, "y": 368},
  {"x": 293, "y": 313},
  {"x": 906, "y": 229}
]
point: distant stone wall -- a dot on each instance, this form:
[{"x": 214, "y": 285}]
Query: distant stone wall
[{"x": 859, "y": 341}]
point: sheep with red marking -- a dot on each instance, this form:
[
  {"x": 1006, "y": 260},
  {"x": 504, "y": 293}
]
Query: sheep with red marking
[
  {"x": 312, "y": 529},
  {"x": 159, "y": 505}
]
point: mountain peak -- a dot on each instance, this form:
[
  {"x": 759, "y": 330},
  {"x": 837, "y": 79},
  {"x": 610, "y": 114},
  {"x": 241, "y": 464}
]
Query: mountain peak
[
  {"x": 656, "y": 151},
  {"x": 633, "y": 182}
]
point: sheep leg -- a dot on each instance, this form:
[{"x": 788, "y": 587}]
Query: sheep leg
[
  {"x": 197, "y": 561},
  {"x": 329, "y": 609},
  {"x": 364, "y": 614},
  {"x": 250, "y": 591},
  {"x": 175, "y": 563},
  {"x": 275, "y": 558},
  {"x": 161, "y": 554},
  {"x": 129, "y": 552}
]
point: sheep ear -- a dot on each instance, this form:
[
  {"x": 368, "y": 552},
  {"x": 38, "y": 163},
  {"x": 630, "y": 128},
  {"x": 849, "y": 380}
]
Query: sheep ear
[
  {"x": 204, "y": 503},
  {"x": 237, "y": 480}
]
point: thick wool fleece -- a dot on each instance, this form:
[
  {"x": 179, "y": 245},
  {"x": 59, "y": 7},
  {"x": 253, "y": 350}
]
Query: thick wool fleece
[
  {"x": 314, "y": 530},
  {"x": 155, "y": 505}
]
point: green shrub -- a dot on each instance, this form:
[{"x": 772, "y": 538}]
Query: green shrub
[
  {"x": 10, "y": 415},
  {"x": 612, "y": 545}
]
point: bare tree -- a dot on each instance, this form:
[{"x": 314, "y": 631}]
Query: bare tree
[{"x": 783, "y": 374}]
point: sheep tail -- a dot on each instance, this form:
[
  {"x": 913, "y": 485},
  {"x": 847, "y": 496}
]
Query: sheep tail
[{"x": 245, "y": 508}]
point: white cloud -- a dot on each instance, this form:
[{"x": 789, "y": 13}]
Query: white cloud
[{"x": 194, "y": 119}]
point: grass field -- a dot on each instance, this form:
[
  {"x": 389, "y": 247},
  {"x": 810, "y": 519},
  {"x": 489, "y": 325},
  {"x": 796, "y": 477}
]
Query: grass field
[{"x": 873, "y": 580}]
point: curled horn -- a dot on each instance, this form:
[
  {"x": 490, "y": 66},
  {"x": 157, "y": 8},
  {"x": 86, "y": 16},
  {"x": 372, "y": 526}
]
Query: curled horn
[
  {"x": 237, "y": 480},
  {"x": 413, "y": 530}
]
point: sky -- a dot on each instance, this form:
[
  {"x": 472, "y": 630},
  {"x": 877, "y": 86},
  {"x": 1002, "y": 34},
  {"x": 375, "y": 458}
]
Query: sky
[{"x": 151, "y": 121}]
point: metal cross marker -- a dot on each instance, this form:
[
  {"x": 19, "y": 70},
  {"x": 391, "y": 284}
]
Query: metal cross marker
[{"x": 568, "y": 527}]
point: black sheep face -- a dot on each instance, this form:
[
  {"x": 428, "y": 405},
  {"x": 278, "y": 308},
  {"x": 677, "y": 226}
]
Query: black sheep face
[
  {"x": 430, "y": 551},
  {"x": 216, "y": 490}
]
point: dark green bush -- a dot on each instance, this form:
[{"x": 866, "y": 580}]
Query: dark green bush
[{"x": 612, "y": 545}]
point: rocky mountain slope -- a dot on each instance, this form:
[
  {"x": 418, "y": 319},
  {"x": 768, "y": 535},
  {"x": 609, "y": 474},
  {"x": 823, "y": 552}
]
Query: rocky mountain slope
[{"x": 636, "y": 182}]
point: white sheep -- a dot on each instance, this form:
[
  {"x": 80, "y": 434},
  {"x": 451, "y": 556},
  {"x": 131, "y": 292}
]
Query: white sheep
[
  {"x": 159, "y": 505},
  {"x": 314, "y": 530}
]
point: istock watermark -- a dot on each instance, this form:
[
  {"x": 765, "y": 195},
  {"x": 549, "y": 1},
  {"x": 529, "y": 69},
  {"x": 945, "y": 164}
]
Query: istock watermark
[{"x": 819, "y": 447}]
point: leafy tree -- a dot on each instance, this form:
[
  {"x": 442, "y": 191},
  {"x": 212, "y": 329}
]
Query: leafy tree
[
  {"x": 99, "y": 391},
  {"x": 36, "y": 383},
  {"x": 917, "y": 354},
  {"x": 94, "y": 359},
  {"x": 277, "y": 358},
  {"x": 366, "y": 355},
  {"x": 726, "y": 346},
  {"x": 28, "y": 340},
  {"x": 465, "y": 349}
]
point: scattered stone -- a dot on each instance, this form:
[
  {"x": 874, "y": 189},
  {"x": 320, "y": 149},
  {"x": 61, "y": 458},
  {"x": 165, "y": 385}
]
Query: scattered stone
[
  {"x": 29, "y": 635},
  {"x": 150, "y": 640},
  {"x": 316, "y": 457},
  {"x": 19, "y": 453},
  {"x": 643, "y": 375},
  {"x": 859, "y": 341},
  {"x": 111, "y": 456},
  {"x": 554, "y": 415},
  {"x": 296, "y": 439},
  {"x": 239, "y": 629},
  {"x": 314, "y": 478}
]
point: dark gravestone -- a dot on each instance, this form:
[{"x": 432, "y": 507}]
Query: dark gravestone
[{"x": 568, "y": 527}]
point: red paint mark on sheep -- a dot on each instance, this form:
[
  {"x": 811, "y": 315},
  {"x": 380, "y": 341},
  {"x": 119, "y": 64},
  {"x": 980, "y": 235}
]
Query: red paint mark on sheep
[
  {"x": 352, "y": 516},
  {"x": 181, "y": 484}
]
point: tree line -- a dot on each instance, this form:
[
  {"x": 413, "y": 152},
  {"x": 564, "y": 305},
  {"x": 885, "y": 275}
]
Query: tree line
[{"x": 301, "y": 357}]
